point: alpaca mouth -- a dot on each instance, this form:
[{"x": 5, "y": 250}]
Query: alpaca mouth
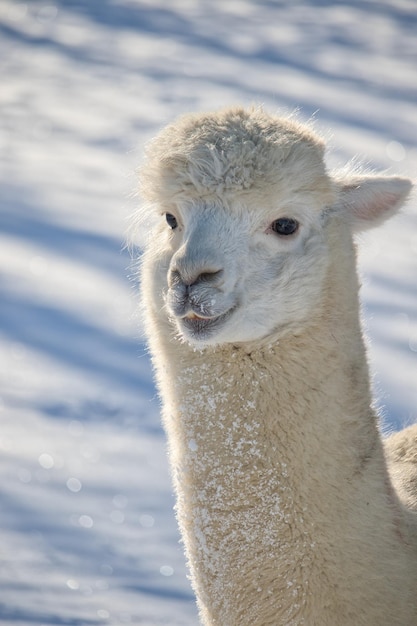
[
  {"x": 194, "y": 316},
  {"x": 199, "y": 327}
]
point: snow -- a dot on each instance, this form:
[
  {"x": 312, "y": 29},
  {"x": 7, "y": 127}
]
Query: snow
[{"x": 88, "y": 534}]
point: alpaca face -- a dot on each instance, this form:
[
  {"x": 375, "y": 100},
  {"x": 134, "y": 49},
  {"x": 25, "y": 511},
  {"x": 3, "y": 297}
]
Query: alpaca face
[
  {"x": 231, "y": 274},
  {"x": 240, "y": 247}
]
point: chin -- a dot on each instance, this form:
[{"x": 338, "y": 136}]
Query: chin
[{"x": 203, "y": 332}]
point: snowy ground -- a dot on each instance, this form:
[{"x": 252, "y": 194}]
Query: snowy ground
[{"x": 87, "y": 530}]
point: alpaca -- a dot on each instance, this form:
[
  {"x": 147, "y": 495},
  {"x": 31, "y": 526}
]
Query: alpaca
[{"x": 285, "y": 504}]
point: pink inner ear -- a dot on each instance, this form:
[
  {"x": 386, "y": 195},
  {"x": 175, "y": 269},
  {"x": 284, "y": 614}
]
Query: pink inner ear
[
  {"x": 374, "y": 207},
  {"x": 375, "y": 198}
]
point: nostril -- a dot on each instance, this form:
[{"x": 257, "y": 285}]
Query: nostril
[
  {"x": 206, "y": 277},
  {"x": 188, "y": 278}
]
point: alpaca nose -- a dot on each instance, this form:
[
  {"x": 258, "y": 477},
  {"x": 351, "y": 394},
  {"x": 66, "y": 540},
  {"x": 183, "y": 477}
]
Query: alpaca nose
[{"x": 200, "y": 258}]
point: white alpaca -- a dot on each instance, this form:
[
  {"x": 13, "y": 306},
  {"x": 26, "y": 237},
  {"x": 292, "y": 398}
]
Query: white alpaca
[{"x": 284, "y": 500}]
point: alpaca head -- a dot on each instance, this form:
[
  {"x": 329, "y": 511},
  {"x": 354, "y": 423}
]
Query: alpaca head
[{"x": 242, "y": 206}]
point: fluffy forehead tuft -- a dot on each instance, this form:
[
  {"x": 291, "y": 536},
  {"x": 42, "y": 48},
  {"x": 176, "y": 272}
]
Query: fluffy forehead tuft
[{"x": 234, "y": 151}]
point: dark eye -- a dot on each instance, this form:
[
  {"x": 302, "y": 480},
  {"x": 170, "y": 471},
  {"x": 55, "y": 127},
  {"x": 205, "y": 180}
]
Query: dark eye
[
  {"x": 171, "y": 220},
  {"x": 285, "y": 226}
]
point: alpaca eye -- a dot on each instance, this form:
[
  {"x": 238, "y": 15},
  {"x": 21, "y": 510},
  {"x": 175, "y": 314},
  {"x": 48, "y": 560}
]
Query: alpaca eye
[
  {"x": 285, "y": 226},
  {"x": 171, "y": 220}
]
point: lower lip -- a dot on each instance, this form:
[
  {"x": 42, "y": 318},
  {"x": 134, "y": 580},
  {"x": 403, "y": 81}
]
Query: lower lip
[{"x": 200, "y": 327}]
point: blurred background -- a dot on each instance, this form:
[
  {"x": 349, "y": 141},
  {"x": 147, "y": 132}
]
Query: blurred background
[{"x": 87, "y": 530}]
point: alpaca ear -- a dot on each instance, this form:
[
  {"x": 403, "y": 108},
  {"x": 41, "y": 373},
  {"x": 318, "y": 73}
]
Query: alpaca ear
[{"x": 370, "y": 200}]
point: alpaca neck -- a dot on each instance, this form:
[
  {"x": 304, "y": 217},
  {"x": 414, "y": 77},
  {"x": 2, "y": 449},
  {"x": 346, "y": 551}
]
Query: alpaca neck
[{"x": 266, "y": 481}]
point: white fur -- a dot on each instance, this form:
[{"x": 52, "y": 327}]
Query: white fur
[{"x": 284, "y": 501}]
